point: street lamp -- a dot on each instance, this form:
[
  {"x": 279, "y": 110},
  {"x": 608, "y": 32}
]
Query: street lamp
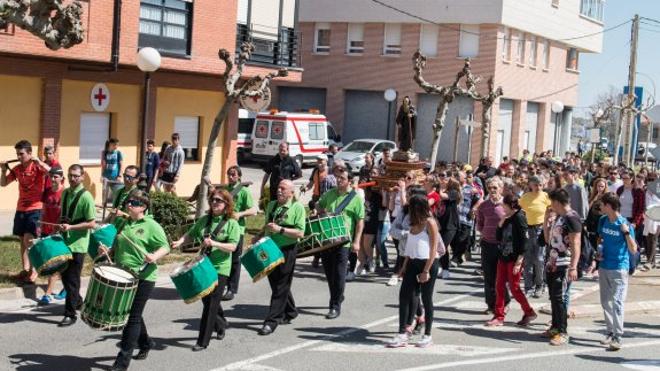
[
  {"x": 148, "y": 61},
  {"x": 390, "y": 96},
  {"x": 557, "y": 107}
]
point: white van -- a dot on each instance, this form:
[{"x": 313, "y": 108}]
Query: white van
[
  {"x": 308, "y": 135},
  {"x": 244, "y": 135}
]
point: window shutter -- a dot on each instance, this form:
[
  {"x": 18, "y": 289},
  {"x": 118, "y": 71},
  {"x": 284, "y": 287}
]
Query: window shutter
[
  {"x": 468, "y": 44},
  {"x": 188, "y": 129},
  {"x": 355, "y": 38},
  {"x": 429, "y": 39},
  {"x": 94, "y": 131},
  {"x": 392, "y": 38}
]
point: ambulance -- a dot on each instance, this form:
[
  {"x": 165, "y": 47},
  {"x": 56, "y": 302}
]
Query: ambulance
[
  {"x": 244, "y": 135},
  {"x": 308, "y": 134}
]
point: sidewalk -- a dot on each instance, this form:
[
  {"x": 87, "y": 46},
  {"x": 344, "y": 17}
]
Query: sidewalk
[{"x": 6, "y": 222}]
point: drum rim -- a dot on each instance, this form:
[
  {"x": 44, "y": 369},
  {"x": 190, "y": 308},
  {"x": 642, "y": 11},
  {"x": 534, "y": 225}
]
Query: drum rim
[
  {"x": 266, "y": 271},
  {"x": 101, "y": 326},
  {"x": 64, "y": 259},
  {"x": 110, "y": 283},
  {"x": 180, "y": 269},
  {"x": 202, "y": 294}
]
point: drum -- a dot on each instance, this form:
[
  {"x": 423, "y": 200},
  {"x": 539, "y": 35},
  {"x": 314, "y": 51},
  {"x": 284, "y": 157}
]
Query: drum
[
  {"x": 653, "y": 213},
  {"x": 261, "y": 258},
  {"x": 195, "y": 279},
  {"x": 105, "y": 234},
  {"x": 109, "y": 298},
  {"x": 49, "y": 255},
  {"x": 323, "y": 232}
]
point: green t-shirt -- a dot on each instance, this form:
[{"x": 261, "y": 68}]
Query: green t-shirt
[
  {"x": 242, "y": 201},
  {"x": 85, "y": 211},
  {"x": 352, "y": 213},
  {"x": 290, "y": 215},
  {"x": 147, "y": 234},
  {"x": 230, "y": 233},
  {"x": 121, "y": 197}
]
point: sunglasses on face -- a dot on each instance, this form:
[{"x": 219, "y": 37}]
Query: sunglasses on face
[
  {"x": 217, "y": 200},
  {"x": 129, "y": 177},
  {"x": 134, "y": 203}
]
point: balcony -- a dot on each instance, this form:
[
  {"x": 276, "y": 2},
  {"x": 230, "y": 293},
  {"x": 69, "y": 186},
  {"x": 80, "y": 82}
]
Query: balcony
[{"x": 271, "y": 49}]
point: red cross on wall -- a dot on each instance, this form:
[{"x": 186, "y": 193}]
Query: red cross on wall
[{"x": 100, "y": 97}]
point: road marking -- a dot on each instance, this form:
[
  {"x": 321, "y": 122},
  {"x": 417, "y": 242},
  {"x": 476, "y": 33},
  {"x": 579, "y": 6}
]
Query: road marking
[
  {"x": 642, "y": 365},
  {"x": 241, "y": 365},
  {"x": 435, "y": 349},
  {"x": 552, "y": 353}
]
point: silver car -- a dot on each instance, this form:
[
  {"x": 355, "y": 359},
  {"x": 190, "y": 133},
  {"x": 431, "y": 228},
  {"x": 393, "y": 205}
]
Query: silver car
[{"x": 353, "y": 153}]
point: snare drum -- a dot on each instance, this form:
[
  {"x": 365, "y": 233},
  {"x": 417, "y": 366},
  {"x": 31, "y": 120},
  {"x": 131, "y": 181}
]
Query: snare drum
[
  {"x": 261, "y": 258},
  {"x": 49, "y": 255},
  {"x": 323, "y": 232},
  {"x": 195, "y": 279},
  {"x": 105, "y": 235},
  {"x": 109, "y": 298}
]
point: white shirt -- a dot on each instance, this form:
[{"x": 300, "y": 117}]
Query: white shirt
[
  {"x": 614, "y": 186},
  {"x": 418, "y": 245},
  {"x": 626, "y": 199}
]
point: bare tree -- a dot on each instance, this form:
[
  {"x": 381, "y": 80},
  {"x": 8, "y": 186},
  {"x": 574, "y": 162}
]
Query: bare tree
[
  {"x": 255, "y": 86},
  {"x": 58, "y": 25},
  {"x": 447, "y": 94},
  {"x": 626, "y": 107}
]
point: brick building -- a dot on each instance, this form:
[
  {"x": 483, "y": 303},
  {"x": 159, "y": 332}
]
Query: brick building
[
  {"x": 48, "y": 94},
  {"x": 354, "y": 50}
]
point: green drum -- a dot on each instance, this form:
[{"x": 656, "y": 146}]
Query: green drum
[
  {"x": 105, "y": 235},
  {"x": 49, "y": 255},
  {"x": 195, "y": 279},
  {"x": 261, "y": 258},
  {"x": 323, "y": 232},
  {"x": 109, "y": 298}
]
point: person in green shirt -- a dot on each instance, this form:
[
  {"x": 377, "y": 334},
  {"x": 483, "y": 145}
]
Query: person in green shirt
[
  {"x": 141, "y": 243},
  {"x": 243, "y": 206},
  {"x": 219, "y": 233},
  {"x": 119, "y": 213},
  {"x": 335, "y": 260},
  {"x": 285, "y": 224},
  {"x": 77, "y": 218}
]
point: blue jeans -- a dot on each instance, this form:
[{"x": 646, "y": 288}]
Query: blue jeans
[{"x": 381, "y": 235}]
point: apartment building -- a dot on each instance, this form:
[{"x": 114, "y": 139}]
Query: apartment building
[
  {"x": 354, "y": 50},
  {"x": 54, "y": 97}
]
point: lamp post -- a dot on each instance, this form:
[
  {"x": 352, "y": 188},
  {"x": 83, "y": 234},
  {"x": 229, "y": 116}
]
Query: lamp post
[
  {"x": 390, "y": 96},
  {"x": 557, "y": 107},
  {"x": 148, "y": 61}
]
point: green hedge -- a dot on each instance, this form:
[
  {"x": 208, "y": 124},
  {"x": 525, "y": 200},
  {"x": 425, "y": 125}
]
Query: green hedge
[{"x": 170, "y": 212}]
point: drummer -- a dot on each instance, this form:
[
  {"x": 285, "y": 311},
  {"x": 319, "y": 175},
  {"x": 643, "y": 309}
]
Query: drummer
[
  {"x": 138, "y": 247},
  {"x": 131, "y": 180},
  {"x": 335, "y": 260},
  {"x": 77, "y": 218},
  {"x": 220, "y": 233},
  {"x": 50, "y": 216},
  {"x": 243, "y": 206},
  {"x": 285, "y": 224}
]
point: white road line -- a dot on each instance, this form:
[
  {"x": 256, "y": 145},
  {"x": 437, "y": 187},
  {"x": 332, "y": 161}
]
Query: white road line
[
  {"x": 435, "y": 349},
  {"x": 551, "y": 353},
  {"x": 242, "y": 365}
]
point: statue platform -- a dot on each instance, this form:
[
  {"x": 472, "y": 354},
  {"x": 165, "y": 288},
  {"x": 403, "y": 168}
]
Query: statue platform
[{"x": 402, "y": 163}]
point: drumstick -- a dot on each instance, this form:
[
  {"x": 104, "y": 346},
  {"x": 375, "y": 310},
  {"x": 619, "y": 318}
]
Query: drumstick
[
  {"x": 366, "y": 184},
  {"x": 106, "y": 252},
  {"x": 10, "y": 161},
  {"x": 47, "y": 223},
  {"x": 138, "y": 248}
]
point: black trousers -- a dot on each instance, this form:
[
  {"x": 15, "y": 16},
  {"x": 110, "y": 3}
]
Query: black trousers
[
  {"x": 461, "y": 242},
  {"x": 408, "y": 293},
  {"x": 334, "y": 264},
  {"x": 71, "y": 283},
  {"x": 213, "y": 317},
  {"x": 135, "y": 332},
  {"x": 489, "y": 258},
  {"x": 447, "y": 237},
  {"x": 352, "y": 261},
  {"x": 399, "y": 257},
  {"x": 282, "y": 305},
  {"x": 235, "y": 275},
  {"x": 557, "y": 284}
]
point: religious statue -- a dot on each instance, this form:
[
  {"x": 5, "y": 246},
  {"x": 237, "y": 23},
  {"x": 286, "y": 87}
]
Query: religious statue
[{"x": 406, "y": 121}]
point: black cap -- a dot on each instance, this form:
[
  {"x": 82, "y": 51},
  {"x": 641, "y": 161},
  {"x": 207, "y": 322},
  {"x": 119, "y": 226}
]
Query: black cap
[
  {"x": 572, "y": 169},
  {"x": 56, "y": 170}
]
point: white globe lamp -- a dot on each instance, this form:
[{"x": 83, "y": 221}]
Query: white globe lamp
[{"x": 148, "y": 59}]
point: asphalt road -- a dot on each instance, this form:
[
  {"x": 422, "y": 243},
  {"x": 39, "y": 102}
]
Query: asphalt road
[{"x": 30, "y": 339}]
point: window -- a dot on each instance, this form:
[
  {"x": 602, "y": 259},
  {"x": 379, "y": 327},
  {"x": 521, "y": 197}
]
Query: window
[
  {"x": 572, "y": 56},
  {"x": 428, "y": 40},
  {"x": 546, "y": 54},
  {"x": 468, "y": 44},
  {"x": 355, "y": 44},
  {"x": 506, "y": 44},
  {"x": 593, "y": 9},
  {"x": 655, "y": 133},
  {"x": 520, "y": 48},
  {"x": 188, "y": 129},
  {"x": 261, "y": 130},
  {"x": 245, "y": 126},
  {"x": 94, "y": 131},
  {"x": 166, "y": 25},
  {"x": 322, "y": 38},
  {"x": 316, "y": 131},
  {"x": 392, "y": 39},
  {"x": 532, "y": 50},
  {"x": 331, "y": 133},
  {"x": 277, "y": 130}
]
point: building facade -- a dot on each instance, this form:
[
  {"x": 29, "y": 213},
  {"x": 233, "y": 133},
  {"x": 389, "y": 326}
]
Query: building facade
[
  {"x": 52, "y": 97},
  {"x": 354, "y": 50}
]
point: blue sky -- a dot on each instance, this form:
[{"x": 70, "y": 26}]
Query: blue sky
[{"x": 599, "y": 71}]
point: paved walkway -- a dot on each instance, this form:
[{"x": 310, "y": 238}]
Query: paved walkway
[{"x": 6, "y": 222}]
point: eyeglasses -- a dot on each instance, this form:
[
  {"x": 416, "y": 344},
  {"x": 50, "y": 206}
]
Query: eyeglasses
[
  {"x": 134, "y": 203},
  {"x": 74, "y": 176},
  {"x": 129, "y": 177},
  {"x": 217, "y": 200}
]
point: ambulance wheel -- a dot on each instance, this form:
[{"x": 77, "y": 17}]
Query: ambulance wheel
[{"x": 299, "y": 161}]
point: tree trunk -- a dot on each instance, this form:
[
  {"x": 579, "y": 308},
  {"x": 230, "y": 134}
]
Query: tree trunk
[
  {"x": 486, "y": 119},
  {"x": 210, "y": 150},
  {"x": 440, "y": 116},
  {"x": 619, "y": 131}
]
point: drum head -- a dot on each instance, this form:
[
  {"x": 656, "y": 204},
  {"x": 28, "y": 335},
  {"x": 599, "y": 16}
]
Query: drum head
[
  {"x": 187, "y": 266},
  {"x": 114, "y": 274}
]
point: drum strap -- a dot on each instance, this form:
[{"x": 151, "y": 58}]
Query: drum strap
[
  {"x": 276, "y": 217},
  {"x": 235, "y": 191},
  {"x": 218, "y": 228},
  {"x": 67, "y": 212},
  {"x": 345, "y": 202}
]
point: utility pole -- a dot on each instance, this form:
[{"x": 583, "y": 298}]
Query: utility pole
[{"x": 628, "y": 150}]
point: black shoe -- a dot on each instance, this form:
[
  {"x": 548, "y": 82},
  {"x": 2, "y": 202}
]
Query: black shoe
[
  {"x": 67, "y": 321},
  {"x": 315, "y": 263},
  {"x": 142, "y": 354},
  {"x": 332, "y": 314},
  {"x": 220, "y": 335},
  {"x": 118, "y": 368},
  {"x": 79, "y": 306},
  {"x": 229, "y": 295},
  {"x": 197, "y": 348},
  {"x": 265, "y": 330}
]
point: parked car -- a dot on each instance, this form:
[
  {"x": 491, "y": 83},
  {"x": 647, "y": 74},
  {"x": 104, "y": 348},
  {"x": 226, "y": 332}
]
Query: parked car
[
  {"x": 642, "y": 147},
  {"x": 353, "y": 153}
]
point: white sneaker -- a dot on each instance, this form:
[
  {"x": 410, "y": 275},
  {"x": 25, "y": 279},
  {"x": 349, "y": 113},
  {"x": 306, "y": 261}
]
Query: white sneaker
[
  {"x": 425, "y": 341},
  {"x": 399, "y": 341},
  {"x": 444, "y": 274},
  {"x": 350, "y": 276},
  {"x": 371, "y": 266},
  {"x": 361, "y": 269},
  {"x": 394, "y": 280}
]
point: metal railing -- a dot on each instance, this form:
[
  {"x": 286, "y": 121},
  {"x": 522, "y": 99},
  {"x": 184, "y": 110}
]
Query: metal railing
[{"x": 271, "y": 48}]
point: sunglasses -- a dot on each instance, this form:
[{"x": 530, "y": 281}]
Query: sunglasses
[
  {"x": 217, "y": 200},
  {"x": 129, "y": 177},
  {"x": 134, "y": 203}
]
